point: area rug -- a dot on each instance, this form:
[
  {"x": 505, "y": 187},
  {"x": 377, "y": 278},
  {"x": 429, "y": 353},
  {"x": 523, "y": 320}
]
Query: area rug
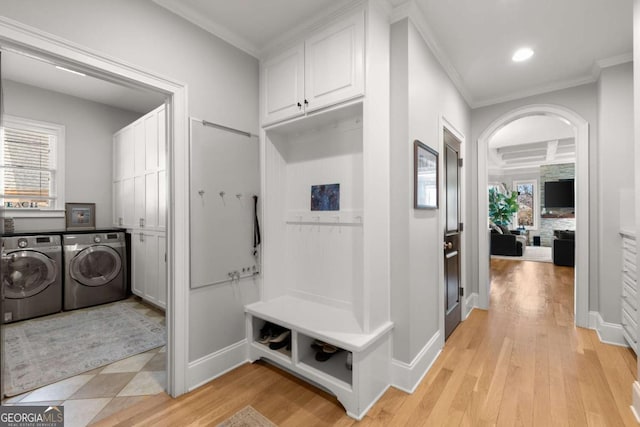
[
  {"x": 247, "y": 417},
  {"x": 531, "y": 253},
  {"x": 39, "y": 352}
]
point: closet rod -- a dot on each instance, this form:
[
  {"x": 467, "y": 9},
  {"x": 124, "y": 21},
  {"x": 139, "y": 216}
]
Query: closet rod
[{"x": 227, "y": 128}]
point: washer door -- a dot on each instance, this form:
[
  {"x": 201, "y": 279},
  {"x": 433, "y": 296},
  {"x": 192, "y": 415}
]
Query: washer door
[
  {"x": 95, "y": 266},
  {"x": 27, "y": 273}
]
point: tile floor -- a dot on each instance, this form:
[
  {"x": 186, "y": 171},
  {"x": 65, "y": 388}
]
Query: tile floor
[{"x": 97, "y": 394}]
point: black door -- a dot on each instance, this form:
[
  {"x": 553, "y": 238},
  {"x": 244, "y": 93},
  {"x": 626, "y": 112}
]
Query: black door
[{"x": 452, "y": 249}]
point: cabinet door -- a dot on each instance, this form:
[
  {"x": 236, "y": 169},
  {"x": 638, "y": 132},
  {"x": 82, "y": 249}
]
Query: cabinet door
[
  {"x": 118, "y": 213},
  {"x": 151, "y": 200},
  {"x": 334, "y": 63},
  {"x": 162, "y": 200},
  {"x": 139, "y": 201},
  {"x": 162, "y": 271},
  {"x": 151, "y": 142},
  {"x": 124, "y": 155},
  {"x": 117, "y": 156},
  {"x": 283, "y": 85},
  {"x": 138, "y": 259},
  {"x": 151, "y": 267},
  {"x": 139, "y": 166},
  {"x": 128, "y": 201},
  {"x": 162, "y": 139}
]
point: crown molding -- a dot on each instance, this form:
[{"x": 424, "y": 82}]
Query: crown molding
[
  {"x": 612, "y": 61},
  {"x": 310, "y": 25},
  {"x": 411, "y": 10},
  {"x": 538, "y": 90},
  {"x": 220, "y": 31}
]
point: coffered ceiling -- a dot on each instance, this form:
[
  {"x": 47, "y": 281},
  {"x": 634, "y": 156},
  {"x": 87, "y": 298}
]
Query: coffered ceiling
[{"x": 532, "y": 141}]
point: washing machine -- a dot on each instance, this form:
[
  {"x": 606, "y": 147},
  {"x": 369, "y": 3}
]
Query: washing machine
[
  {"x": 95, "y": 269},
  {"x": 31, "y": 276}
]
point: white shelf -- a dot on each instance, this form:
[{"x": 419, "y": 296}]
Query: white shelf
[
  {"x": 330, "y": 324},
  {"x": 282, "y": 355},
  {"x": 335, "y": 218}
]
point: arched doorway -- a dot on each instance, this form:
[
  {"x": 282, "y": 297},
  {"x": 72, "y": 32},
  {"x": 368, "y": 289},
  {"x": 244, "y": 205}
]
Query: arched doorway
[{"x": 581, "y": 134}]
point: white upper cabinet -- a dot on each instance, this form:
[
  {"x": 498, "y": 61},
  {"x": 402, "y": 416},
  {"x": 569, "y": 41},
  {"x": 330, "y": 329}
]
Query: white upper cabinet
[
  {"x": 334, "y": 63},
  {"x": 325, "y": 69},
  {"x": 139, "y": 173},
  {"x": 283, "y": 85}
]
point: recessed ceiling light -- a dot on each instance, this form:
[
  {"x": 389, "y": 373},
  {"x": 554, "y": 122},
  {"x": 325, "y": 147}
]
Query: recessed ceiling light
[
  {"x": 522, "y": 54},
  {"x": 71, "y": 71}
]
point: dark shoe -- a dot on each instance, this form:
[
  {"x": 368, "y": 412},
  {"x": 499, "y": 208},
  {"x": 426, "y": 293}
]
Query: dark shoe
[
  {"x": 286, "y": 341},
  {"x": 265, "y": 333},
  {"x": 279, "y": 337},
  {"x": 321, "y": 356}
]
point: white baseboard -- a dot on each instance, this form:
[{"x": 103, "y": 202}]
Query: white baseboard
[
  {"x": 470, "y": 303},
  {"x": 635, "y": 404},
  {"x": 407, "y": 376},
  {"x": 213, "y": 365},
  {"x": 359, "y": 417},
  {"x": 609, "y": 333}
]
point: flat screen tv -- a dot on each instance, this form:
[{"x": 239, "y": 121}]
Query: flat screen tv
[{"x": 559, "y": 194}]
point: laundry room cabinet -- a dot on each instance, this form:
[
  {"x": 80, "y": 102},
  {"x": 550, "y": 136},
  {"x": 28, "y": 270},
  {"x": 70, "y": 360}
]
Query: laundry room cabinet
[
  {"x": 139, "y": 172},
  {"x": 149, "y": 278},
  {"x": 324, "y": 69},
  {"x": 325, "y": 266},
  {"x": 139, "y": 201}
]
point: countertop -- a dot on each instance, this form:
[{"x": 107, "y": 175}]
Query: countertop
[{"x": 63, "y": 231}]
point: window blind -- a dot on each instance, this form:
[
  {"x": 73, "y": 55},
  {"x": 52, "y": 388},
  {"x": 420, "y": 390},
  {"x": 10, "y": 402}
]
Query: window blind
[{"x": 27, "y": 163}]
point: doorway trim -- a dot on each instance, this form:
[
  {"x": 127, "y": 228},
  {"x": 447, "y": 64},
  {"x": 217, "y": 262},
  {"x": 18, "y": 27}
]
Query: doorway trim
[
  {"x": 30, "y": 40},
  {"x": 581, "y": 134}
]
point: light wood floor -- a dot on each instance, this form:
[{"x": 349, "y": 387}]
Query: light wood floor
[{"x": 521, "y": 363}]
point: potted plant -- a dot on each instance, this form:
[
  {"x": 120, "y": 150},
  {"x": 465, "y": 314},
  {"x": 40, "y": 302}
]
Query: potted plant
[{"x": 502, "y": 206}]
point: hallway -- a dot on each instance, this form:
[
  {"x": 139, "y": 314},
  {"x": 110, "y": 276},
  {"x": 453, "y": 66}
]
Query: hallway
[{"x": 521, "y": 363}]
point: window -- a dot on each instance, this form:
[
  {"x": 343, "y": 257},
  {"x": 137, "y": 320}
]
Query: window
[
  {"x": 527, "y": 203},
  {"x": 32, "y": 159}
]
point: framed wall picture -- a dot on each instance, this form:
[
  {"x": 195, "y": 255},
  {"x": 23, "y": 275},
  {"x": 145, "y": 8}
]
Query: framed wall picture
[
  {"x": 81, "y": 216},
  {"x": 425, "y": 170},
  {"x": 325, "y": 197}
]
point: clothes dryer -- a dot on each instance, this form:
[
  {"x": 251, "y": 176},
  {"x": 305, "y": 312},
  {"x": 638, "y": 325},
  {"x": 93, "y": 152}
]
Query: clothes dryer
[
  {"x": 31, "y": 276},
  {"x": 95, "y": 269}
]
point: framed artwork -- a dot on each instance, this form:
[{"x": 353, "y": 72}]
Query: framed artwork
[
  {"x": 81, "y": 216},
  {"x": 325, "y": 197},
  {"x": 425, "y": 170}
]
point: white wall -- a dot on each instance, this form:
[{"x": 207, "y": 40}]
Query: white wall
[
  {"x": 89, "y": 128},
  {"x": 615, "y": 136},
  {"x": 421, "y": 93},
  {"x": 222, "y": 87},
  {"x": 583, "y": 101}
]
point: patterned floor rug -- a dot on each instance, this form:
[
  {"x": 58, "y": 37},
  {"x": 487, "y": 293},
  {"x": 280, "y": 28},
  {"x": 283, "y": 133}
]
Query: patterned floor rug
[
  {"x": 531, "y": 253},
  {"x": 42, "y": 351},
  {"x": 247, "y": 417}
]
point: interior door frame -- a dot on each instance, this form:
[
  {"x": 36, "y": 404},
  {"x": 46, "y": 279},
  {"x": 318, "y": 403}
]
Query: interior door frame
[
  {"x": 30, "y": 40},
  {"x": 467, "y": 304},
  {"x": 581, "y": 134}
]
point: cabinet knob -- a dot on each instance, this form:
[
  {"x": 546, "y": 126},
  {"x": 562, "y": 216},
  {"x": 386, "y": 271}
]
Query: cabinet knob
[
  {"x": 299, "y": 106},
  {"x": 306, "y": 102}
]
